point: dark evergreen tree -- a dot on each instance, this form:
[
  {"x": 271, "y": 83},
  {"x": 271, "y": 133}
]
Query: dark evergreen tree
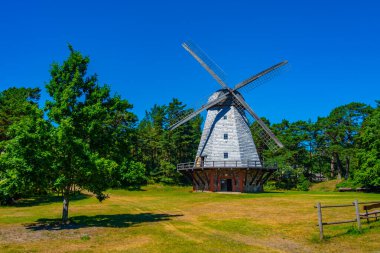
[{"x": 160, "y": 149}]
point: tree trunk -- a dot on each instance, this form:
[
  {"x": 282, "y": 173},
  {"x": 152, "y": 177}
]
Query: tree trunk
[
  {"x": 65, "y": 210},
  {"x": 332, "y": 169},
  {"x": 339, "y": 166},
  {"x": 347, "y": 168}
]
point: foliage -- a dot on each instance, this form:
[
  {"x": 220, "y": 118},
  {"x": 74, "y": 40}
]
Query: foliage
[
  {"x": 369, "y": 152},
  {"x": 287, "y": 177},
  {"x": 15, "y": 103},
  {"x": 328, "y": 147},
  {"x": 25, "y": 158},
  {"x": 161, "y": 149},
  {"x": 167, "y": 173},
  {"x": 92, "y": 129},
  {"x": 337, "y": 134},
  {"x": 131, "y": 174},
  {"x": 303, "y": 183},
  {"x": 350, "y": 183}
]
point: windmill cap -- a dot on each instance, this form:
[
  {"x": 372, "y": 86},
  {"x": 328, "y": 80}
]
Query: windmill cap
[{"x": 221, "y": 92}]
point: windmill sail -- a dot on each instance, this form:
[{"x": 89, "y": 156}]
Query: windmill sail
[
  {"x": 227, "y": 158},
  {"x": 211, "y": 67},
  {"x": 218, "y": 74},
  {"x": 259, "y": 78},
  {"x": 259, "y": 121}
]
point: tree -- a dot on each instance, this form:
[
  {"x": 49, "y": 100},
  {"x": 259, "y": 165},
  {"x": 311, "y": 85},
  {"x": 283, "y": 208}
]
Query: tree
[
  {"x": 160, "y": 149},
  {"x": 91, "y": 131},
  {"x": 15, "y": 103},
  {"x": 369, "y": 151},
  {"x": 295, "y": 138},
  {"x": 150, "y": 135},
  {"x": 25, "y": 156},
  {"x": 338, "y": 132},
  {"x": 295, "y": 159}
]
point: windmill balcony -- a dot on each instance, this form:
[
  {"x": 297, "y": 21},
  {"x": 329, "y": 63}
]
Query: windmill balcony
[{"x": 250, "y": 164}]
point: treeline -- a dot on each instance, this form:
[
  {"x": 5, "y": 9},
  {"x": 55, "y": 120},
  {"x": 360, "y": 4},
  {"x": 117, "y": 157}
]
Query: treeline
[
  {"x": 343, "y": 145},
  {"x": 86, "y": 138}
]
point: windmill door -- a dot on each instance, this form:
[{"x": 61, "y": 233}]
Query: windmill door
[{"x": 226, "y": 185}]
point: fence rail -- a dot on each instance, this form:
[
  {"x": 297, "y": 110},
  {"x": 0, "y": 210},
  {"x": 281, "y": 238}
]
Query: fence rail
[{"x": 357, "y": 219}]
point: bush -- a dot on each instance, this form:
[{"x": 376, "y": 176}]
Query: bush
[
  {"x": 132, "y": 174},
  {"x": 303, "y": 183},
  {"x": 348, "y": 184},
  {"x": 169, "y": 174},
  {"x": 289, "y": 178}
]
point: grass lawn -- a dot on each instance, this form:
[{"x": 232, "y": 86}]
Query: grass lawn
[{"x": 174, "y": 219}]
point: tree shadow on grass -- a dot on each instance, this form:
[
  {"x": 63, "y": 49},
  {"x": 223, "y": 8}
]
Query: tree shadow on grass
[
  {"x": 130, "y": 188},
  {"x": 47, "y": 199},
  {"x": 113, "y": 221}
]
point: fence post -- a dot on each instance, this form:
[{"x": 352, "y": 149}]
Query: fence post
[
  {"x": 357, "y": 214},
  {"x": 320, "y": 224}
]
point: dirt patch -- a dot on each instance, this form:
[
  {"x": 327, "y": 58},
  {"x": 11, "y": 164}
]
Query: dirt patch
[{"x": 18, "y": 234}]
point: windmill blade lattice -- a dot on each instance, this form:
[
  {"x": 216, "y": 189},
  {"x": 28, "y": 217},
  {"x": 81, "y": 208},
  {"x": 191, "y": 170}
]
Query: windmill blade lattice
[
  {"x": 257, "y": 131},
  {"x": 264, "y": 137},
  {"x": 257, "y": 118},
  {"x": 206, "y": 62},
  {"x": 263, "y": 77}
]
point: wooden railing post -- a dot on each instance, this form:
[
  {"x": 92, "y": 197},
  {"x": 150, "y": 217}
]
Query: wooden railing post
[
  {"x": 357, "y": 214},
  {"x": 320, "y": 224}
]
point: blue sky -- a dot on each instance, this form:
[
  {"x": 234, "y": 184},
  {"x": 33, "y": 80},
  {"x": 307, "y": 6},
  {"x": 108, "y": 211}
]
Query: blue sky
[{"x": 135, "y": 46}]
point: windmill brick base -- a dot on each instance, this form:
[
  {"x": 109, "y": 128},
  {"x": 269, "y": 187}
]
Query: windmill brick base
[{"x": 226, "y": 177}]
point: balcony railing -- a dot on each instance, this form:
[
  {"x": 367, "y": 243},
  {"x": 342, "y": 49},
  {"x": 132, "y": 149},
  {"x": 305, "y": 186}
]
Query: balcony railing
[{"x": 222, "y": 164}]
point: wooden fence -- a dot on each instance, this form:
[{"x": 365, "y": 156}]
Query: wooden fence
[{"x": 357, "y": 218}]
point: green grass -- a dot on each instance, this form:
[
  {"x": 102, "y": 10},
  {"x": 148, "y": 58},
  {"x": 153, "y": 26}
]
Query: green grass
[
  {"x": 326, "y": 186},
  {"x": 174, "y": 219}
]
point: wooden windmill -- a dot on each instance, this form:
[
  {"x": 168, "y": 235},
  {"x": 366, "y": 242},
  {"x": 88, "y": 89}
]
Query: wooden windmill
[{"x": 227, "y": 158}]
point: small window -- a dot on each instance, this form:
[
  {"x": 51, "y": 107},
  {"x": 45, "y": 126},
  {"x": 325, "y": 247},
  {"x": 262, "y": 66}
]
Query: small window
[
  {"x": 225, "y": 117},
  {"x": 226, "y": 136},
  {"x": 225, "y": 155}
]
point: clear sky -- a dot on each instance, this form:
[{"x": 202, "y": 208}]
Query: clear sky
[{"x": 135, "y": 46}]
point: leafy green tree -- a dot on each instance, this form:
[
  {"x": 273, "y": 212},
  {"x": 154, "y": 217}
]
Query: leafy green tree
[
  {"x": 92, "y": 129},
  {"x": 131, "y": 175},
  {"x": 25, "y": 157},
  {"x": 337, "y": 135},
  {"x": 15, "y": 103},
  {"x": 369, "y": 151},
  {"x": 294, "y": 137}
]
